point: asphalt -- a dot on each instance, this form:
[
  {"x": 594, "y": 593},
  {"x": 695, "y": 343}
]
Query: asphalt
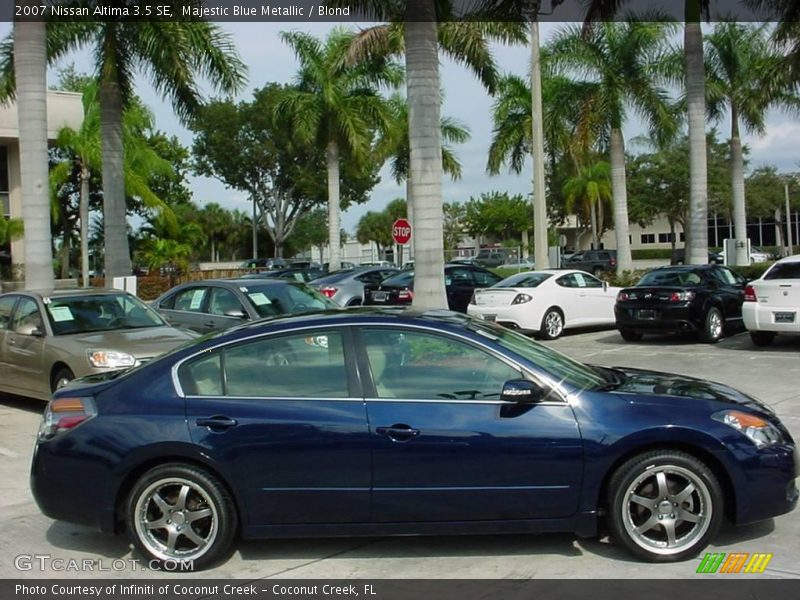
[{"x": 771, "y": 374}]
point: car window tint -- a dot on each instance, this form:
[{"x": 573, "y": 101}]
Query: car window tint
[
  {"x": 567, "y": 281},
  {"x": 459, "y": 275},
  {"x": 583, "y": 280},
  {"x": 530, "y": 280},
  {"x": 371, "y": 277},
  {"x": 6, "y": 305},
  {"x": 27, "y": 317},
  {"x": 190, "y": 299},
  {"x": 787, "y": 270},
  {"x": 202, "y": 376},
  {"x": 485, "y": 278},
  {"x": 224, "y": 302},
  {"x": 168, "y": 302},
  {"x": 309, "y": 365},
  {"x": 421, "y": 366},
  {"x": 671, "y": 278}
]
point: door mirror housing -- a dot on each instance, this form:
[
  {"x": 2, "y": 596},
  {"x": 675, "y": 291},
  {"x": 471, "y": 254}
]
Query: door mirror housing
[
  {"x": 31, "y": 330},
  {"x": 523, "y": 391},
  {"x": 605, "y": 286},
  {"x": 237, "y": 314}
]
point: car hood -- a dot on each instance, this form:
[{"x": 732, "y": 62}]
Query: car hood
[
  {"x": 663, "y": 385},
  {"x": 141, "y": 343}
]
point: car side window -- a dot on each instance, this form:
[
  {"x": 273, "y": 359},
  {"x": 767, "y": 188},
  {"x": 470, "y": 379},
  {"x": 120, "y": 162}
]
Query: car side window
[
  {"x": 371, "y": 277},
  {"x": 307, "y": 365},
  {"x": 458, "y": 276},
  {"x": 202, "y": 376},
  {"x": 190, "y": 299},
  {"x": 567, "y": 281},
  {"x": 485, "y": 278},
  {"x": 224, "y": 302},
  {"x": 725, "y": 276},
  {"x": 27, "y": 317},
  {"x": 584, "y": 280},
  {"x": 6, "y": 306},
  {"x": 413, "y": 365}
]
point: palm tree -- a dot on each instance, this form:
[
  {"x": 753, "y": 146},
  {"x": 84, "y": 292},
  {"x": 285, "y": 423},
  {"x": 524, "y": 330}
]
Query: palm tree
[
  {"x": 745, "y": 74},
  {"x": 623, "y": 62},
  {"x": 337, "y": 105},
  {"x": 174, "y": 54},
  {"x": 29, "y": 63},
  {"x": 587, "y": 191},
  {"x": 216, "y": 222}
]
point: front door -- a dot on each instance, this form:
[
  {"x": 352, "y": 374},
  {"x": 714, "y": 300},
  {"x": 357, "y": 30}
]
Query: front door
[
  {"x": 285, "y": 418},
  {"x": 446, "y": 448}
]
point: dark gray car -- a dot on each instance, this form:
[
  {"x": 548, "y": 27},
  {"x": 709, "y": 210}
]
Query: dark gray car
[
  {"x": 217, "y": 304},
  {"x": 346, "y": 287}
]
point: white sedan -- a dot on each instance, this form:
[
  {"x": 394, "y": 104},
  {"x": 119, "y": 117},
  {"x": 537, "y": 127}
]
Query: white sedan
[
  {"x": 546, "y": 302},
  {"x": 772, "y": 303}
]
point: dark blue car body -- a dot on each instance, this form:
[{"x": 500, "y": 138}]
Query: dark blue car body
[{"x": 319, "y": 467}]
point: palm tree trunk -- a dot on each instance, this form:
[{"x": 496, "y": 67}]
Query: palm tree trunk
[
  {"x": 540, "y": 242},
  {"x": 117, "y": 256},
  {"x": 410, "y": 215},
  {"x": 697, "y": 251},
  {"x": 83, "y": 215},
  {"x": 30, "y": 65},
  {"x": 737, "y": 195},
  {"x": 425, "y": 172},
  {"x": 620, "y": 192},
  {"x": 334, "y": 216},
  {"x": 593, "y": 219},
  {"x": 66, "y": 244}
]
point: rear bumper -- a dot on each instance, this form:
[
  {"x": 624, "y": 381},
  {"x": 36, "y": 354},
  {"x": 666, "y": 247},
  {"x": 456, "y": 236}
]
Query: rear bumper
[
  {"x": 515, "y": 317},
  {"x": 762, "y": 318},
  {"x": 671, "y": 319}
]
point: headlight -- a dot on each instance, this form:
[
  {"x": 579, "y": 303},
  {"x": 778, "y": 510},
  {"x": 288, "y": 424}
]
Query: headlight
[
  {"x": 109, "y": 359},
  {"x": 521, "y": 299},
  {"x": 759, "y": 431}
]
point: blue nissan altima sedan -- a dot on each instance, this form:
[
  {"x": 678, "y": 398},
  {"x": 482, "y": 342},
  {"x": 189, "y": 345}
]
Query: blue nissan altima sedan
[{"x": 380, "y": 422}]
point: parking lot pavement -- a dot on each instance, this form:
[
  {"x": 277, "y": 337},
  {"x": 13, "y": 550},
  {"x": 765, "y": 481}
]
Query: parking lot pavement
[{"x": 770, "y": 374}]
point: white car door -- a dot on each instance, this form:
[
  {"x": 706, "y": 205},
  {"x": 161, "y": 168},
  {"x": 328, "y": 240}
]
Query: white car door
[{"x": 596, "y": 298}]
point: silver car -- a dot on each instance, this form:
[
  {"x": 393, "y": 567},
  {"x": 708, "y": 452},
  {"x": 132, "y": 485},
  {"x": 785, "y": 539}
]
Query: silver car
[
  {"x": 47, "y": 339},
  {"x": 346, "y": 287}
]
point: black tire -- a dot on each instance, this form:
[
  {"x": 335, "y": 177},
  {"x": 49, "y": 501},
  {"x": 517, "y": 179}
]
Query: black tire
[
  {"x": 61, "y": 377},
  {"x": 552, "y": 324},
  {"x": 713, "y": 326},
  {"x": 762, "y": 338},
  {"x": 355, "y": 302},
  {"x": 630, "y": 336},
  {"x": 200, "y": 527},
  {"x": 662, "y": 477}
]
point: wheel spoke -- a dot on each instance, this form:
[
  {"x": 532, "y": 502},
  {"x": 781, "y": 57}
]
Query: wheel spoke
[
  {"x": 669, "y": 527},
  {"x": 194, "y": 515},
  {"x": 181, "y": 503},
  {"x": 157, "y": 524},
  {"x": 663, "y": 490},
  {"x": 684, "y": 493},
  {"x": 642, "y": 501},
  {"x": 194, "y": 537},
  {"x": 172, "y": 538},
  {"x": 647, "y": 525},
  {"x": 688, "y": 516},
  {"x": 162, "y": 504}
]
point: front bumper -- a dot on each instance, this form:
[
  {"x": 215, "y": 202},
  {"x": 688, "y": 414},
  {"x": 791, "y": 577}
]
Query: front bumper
[{"x": 769, "y": 488}]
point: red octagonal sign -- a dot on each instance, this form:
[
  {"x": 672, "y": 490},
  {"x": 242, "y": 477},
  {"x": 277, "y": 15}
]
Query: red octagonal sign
[{"x": 401, "y": 231}]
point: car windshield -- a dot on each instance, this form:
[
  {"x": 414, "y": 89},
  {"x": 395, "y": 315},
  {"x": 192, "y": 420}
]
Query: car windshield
[
  {"x": 787, "y": 270},
  {"x": 671, "y": 278},
  {"x": 401, "y": 279},
  {"x": 335, "y": 277},
  {"x": 273, "y": 300},
  {"x": 99, "y": 312},
  {"x": 529, "y": 280},
  {"x": 559, "y": 366}
]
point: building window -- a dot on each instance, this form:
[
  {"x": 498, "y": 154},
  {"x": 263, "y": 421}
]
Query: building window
[
  {"x": 648, "y": 238},
  {"x": 4, "y": 199},
  {"x": 665, "y": 238},
  {"x": 683, "y": 236}
]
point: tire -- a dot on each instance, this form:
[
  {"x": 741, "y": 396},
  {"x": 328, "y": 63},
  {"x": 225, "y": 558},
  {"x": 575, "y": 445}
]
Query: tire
[
  {"x": 61, "y": 378},
  {"x": 713, "y": 326},
  {"x": 552, "y": 324},
  {"x": 207, "y": 512},
  {"x": 762, "y": 338},
  {"x": 650, "y": 498},
  {"x": 630, "y": 336}
]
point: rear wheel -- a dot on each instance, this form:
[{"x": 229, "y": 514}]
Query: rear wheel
[
  {"x": 552, "y": 324},
  {"x": 712, "y": 326},
  {"x": 630, "y": 336},
  {"x": 665, "y": 505},
  {"x": 762, "y": 338}
]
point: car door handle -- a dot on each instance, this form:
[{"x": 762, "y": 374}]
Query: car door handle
[
  {"x": 216, "y": 422},
  {"x": 398, "y": 432},
  {"x": 209, "y": 324}
]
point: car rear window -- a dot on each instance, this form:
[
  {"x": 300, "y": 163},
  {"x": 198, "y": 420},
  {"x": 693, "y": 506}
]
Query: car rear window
[
  {"x": 671, "y": 278},
  {"x": 334, "y": 277},
  {"x": 787, "y": 270},
  {"x": 530, "y": 280},
  {"x": 401, "y": 279}
]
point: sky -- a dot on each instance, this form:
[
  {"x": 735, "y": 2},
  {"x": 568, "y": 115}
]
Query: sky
[{"x": 269, "y": 59}]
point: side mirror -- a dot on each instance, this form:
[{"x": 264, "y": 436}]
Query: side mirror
[
  {"x": 605, "y": 286},
  {"x": 31, "y": 330},
  {"x": 523, "y": 391},
  {"x": 237, "y": 314}
]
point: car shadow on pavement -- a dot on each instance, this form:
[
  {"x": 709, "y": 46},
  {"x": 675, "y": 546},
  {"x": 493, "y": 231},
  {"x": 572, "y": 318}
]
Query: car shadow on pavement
[
  {"x": 75, "y": 538},
  {"x": 31, "y": 405}
]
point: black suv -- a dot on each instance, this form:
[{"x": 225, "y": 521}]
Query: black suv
[{"x": 592, "y": 261}]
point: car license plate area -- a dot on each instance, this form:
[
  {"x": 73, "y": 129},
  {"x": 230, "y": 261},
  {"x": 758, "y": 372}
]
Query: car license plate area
[
  {"x": 380, "y": 296},
  {"x": 646, "y": 314},
  {"x": 491, "y": 318},
  {"x": 784, "y": 317}
]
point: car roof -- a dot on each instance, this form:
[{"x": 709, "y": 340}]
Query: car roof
[{"x": 788, "y": 259}]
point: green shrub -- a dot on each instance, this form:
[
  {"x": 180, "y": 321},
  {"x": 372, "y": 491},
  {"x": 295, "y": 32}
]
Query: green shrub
[
  {"x": 753, "y": 271},
  {"x": 651, "y": 253}
]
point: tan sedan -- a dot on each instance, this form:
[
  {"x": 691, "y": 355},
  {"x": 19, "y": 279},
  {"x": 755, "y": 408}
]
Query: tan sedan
[{"x": 47, "y": 339}]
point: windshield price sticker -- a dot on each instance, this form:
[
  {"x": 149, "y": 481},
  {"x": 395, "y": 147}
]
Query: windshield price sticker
[
  {"x": 259, "y": 299},
  {"x": 61, "y": 313}
]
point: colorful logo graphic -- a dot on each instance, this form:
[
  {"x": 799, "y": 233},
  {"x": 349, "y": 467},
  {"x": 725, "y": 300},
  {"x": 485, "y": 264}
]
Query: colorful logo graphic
[{"x": 734, "y": 562}]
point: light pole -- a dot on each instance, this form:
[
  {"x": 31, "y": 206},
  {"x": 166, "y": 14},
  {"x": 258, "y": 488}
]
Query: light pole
[{"x": 788, "y": 221}]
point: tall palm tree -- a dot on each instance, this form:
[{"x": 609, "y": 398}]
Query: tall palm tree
[
  {"x": 587, "y": 191},
  {"x": 174, "y": 54},
  {"x": 337, "y": 105},
  {"x": 30, "y": 65},
  {"x": 624, "y": 63},
  {"x": 216, "y": 222},
  {"x": 419, "y": 29},
  {"x": 745, "y": 74}
]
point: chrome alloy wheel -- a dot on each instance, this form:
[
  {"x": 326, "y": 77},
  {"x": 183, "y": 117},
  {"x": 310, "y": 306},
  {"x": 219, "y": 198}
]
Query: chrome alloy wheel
[
  {"x": 666, "y": 509},
  {"x": 176, "y": 519},
  {"x": 714, "y": 325},
  {"x": 553, "y": 324}
]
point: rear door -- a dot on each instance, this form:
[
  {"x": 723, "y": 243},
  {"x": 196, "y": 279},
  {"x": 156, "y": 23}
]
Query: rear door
[
  {"x": 459, "y": 285},
  {"x": 185, "y": 307}
]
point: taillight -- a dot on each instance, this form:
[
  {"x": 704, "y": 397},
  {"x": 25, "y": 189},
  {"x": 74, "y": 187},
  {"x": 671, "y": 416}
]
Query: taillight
[
  {"x": 521, "y": 299},
  {"x": 681, "y": 296},
  {"x": 328, "y": 291},
  {"x": 623, "y": 296},
  {"x": 612, "y": 262},
  {"x": 750, "y": 294},
  {"x": 405, "y": 295},
  {"x": 63, "y": 414}
]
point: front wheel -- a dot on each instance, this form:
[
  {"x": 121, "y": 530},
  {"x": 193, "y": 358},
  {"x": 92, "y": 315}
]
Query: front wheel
[
  {"x": 712, "y": 326},
  {"x": 552, "y": 324},
  {"x": 665, "y": 505},
  {"x": 178, "y": 512},
  {"x": 762, "y": 338},
  {"x": 61, "y": 378}
]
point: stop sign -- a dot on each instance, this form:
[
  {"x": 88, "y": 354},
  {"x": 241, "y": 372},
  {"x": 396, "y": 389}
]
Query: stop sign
[{"x": 401, "y": 231}]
